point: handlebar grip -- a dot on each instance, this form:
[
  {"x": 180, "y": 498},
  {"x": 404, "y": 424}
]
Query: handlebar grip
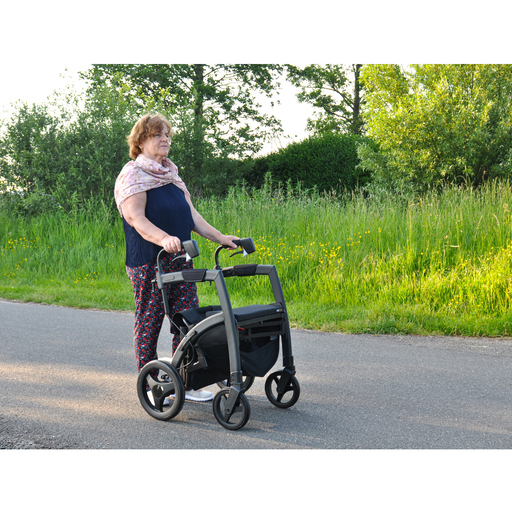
[
  {"x": 246, "y": 243},
  {"x": 189, "y": 246}
]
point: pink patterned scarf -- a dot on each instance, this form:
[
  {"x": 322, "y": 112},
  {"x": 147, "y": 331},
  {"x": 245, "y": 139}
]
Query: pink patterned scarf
[{"x": 144, "y": 174}]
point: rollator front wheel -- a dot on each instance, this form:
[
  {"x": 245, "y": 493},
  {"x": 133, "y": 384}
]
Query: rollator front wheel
[
  {"x": 282, "y": 398},
  {"x": 231, "y": 419},
  {"x": 161, "y": 390}
]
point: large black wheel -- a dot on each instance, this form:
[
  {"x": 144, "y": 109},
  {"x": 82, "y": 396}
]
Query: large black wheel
[
  {"x": 166, "y": 394},
  {"x": 282, "y": 398},
  {"x": 247, "y": 382},
  {"x": 235, "y": 418}
]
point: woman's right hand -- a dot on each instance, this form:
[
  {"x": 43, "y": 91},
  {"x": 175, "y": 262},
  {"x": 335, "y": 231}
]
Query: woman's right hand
[{"x": 171, "y": 244}]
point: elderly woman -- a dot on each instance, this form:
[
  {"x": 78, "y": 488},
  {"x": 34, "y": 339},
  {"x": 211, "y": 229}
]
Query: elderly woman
[{"x": 157, "y": 212}]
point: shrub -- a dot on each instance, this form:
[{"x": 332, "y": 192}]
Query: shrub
[
  {"x": 59, "y": 156},
  {"x": 438, "y": 124},
  {"x": 325, "y": 162}
]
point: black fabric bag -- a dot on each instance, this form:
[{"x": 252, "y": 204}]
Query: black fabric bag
[
  {"x": 258, "y": 342},
  {"x": 257, "y": 355}
]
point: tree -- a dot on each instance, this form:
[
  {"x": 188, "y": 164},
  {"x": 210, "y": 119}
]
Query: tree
[
  {"x": 212, "y": 107},
  {"x": 438, "y": 124},
  {"x": 336, "y": 91},
  {"x": 65, "y": 153}
]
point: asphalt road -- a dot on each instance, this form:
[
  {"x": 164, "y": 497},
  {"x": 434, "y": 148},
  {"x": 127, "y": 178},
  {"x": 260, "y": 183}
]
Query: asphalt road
[{"x": 68, "y": 381}]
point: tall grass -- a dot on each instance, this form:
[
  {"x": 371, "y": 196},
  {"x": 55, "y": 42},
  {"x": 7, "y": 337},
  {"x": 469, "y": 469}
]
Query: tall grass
[
  {"x": 68, "y": 259},
  {"x": 435, "y": 264}
]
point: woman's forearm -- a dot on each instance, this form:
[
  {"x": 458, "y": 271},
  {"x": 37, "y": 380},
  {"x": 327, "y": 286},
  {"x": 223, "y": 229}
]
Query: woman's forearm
[{"x": 148, "y": 230}]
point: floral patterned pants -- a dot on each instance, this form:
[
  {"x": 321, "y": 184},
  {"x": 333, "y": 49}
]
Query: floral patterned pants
[{"x": 149, "y": 312}]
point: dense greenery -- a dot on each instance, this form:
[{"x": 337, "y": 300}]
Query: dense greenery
[
  {"x": 438, "y": 124},
  {"x": 214, "y": 109},
  {"x": 406, "y": 230},
  {"x": 438, "y": 264},
  {"x": 428, "y": 126},
  {"x": 326, "y": 162},
  {"x": 337, "y": 94},
  {"x": 64, "y": 154}
]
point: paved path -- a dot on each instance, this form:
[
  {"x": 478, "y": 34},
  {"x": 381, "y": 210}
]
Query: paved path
[{"x": 68, "y": 381}]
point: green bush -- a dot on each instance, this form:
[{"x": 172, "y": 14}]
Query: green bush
[
  {"x": 438, "y": 124},
  {"x": 67, "y": 153},
  {"x": 325, "y": 162},
  {"x": 60, "y": 155}
]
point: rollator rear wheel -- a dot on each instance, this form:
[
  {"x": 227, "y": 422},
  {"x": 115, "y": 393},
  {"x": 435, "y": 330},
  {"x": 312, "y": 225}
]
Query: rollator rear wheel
[
  {"x": 232, "y": 420},
  {"x": 166, "y": 394},
  {"x": 247, "y": 382},
  {"x": 288, "y": 397}
]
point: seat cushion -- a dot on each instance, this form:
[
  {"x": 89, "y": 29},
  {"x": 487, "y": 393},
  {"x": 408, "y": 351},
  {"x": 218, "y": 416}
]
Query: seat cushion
[{"x": 246, "y": 313}]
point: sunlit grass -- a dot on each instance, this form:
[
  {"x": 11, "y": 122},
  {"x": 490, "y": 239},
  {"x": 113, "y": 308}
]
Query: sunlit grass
[
  {"x": 436, "y": 264},
  {"x": 73, "y": 260}
]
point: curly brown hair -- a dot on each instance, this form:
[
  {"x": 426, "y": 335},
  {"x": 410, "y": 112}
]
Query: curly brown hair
[{"x": 145, "y": 127}]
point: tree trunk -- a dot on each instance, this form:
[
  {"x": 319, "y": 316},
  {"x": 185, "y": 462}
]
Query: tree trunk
[
  {"x": 198, "y": 142},
  {"x": 357, "y": 124}
]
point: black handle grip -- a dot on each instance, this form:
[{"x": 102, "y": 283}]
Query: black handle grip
[
  {"x": 246, "y": 243},
  {"x": 189, "y": 246}
]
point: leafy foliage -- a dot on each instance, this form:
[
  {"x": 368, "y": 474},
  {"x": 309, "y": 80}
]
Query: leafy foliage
[
  {"x": 324, "y": 162},
  {"x": 438, "y": 124},
  {"x": 213, "y": 108},
  {"x": 67, "y": 153},
  {"x": 63, "y": 155},
  {"x": 335, "y": 90}
]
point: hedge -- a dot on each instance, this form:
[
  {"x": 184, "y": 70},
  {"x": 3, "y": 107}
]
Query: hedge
[{"x": 326, "y": 162}]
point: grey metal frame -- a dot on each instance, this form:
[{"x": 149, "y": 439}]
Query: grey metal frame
[{"x": 226, "y": 315}]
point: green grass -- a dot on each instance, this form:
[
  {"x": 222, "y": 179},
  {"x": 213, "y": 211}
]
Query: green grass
[{"x": 439, "y": 264}]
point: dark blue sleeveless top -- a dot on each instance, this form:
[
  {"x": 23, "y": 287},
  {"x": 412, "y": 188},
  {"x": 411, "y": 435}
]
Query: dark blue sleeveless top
[{"x": 167, "y": 209}]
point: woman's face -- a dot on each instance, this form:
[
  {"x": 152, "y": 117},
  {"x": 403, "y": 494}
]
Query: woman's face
[{"x": 157, "y": 146}]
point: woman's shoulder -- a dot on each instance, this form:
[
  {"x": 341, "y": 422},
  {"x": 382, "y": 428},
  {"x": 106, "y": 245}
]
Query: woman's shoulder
[
  {"x": 129, "y": 168},
  {"x": 130, "y": 165}
]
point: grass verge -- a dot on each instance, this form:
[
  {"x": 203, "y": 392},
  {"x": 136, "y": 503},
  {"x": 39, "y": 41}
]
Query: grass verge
[{"x": 436, "y": 264}]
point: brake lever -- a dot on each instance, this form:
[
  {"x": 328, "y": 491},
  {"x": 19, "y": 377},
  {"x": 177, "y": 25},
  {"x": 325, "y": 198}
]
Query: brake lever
[
  {"x": 239, "y": 252},
  {"x": 186, "y": 256}
]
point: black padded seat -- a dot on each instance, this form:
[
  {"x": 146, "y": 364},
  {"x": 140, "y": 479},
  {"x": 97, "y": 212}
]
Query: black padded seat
[
  {"x": 256, "y": 311},
  {"x": 194, "y": 316},
  {"x": 242, "y": 315}
]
